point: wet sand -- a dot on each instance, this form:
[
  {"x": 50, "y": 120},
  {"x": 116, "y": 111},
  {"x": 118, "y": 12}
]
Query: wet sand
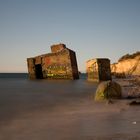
[{"x": 62, "y": 110}]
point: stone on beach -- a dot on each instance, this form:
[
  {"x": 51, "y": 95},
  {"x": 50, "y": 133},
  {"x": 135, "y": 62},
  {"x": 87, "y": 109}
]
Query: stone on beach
[
  {"x": 134, "y": 102},
  {"x": 130, "y": 87},
  {"x": 108, "y": 90}
]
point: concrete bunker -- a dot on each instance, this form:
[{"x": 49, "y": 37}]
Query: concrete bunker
[
  {"x": 60, "y": 64},
  {"x": 98, "y": 69}
]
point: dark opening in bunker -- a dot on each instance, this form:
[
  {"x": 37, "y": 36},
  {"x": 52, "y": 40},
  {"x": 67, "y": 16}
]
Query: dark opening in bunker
[{"x": 38, "y": 71}]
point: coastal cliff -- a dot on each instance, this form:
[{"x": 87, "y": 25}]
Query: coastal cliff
[{"x": 127, "y": 65}]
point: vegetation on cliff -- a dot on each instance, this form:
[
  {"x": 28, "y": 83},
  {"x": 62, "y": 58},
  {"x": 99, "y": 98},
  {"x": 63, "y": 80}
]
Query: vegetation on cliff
[{"x": 129, "y": 56}]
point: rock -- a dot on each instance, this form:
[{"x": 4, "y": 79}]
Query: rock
[
  {"x": 131, "y": 92},
  {"x": 108, "y": 90},
  {"x": 134, "y": 102},
  {"x": 130, "y": 87}
]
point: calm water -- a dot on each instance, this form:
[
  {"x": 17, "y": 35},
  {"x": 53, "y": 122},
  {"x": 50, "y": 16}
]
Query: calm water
[{"x": 61, "y": 110}]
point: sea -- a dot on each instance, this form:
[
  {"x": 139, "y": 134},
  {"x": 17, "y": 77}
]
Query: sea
[{"x": 62, "y": 110}]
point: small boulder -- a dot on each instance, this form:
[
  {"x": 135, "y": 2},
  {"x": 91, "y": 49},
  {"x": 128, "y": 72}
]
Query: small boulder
[
  {"x": 134, "y": 102},
  {"x": 108, "y": 90}
]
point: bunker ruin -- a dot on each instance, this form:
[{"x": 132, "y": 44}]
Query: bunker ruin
[
  {"x": 98, "y": 69},
  {"x": 61, "y": 63}
]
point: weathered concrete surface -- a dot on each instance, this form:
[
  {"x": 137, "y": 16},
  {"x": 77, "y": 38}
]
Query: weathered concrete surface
[
  {"x": 57, "y": 48},
  {"x": 60, "y": 64},
  {"x": 98, "y": 69}
]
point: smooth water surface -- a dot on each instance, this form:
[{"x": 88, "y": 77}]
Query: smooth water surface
[{"x": 62, "y": 110}]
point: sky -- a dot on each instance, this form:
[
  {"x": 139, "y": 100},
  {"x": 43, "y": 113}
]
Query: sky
[{"x": 92, "y": 28}]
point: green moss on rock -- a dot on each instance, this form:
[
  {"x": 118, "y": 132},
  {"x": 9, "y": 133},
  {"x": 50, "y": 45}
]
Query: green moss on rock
[{"x": 108, "y": 90}]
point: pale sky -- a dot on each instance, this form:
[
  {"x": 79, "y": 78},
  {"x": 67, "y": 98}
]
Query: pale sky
[{"x": 92, "y": 28}]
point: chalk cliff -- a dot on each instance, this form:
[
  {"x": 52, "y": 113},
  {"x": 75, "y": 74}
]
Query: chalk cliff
[{"x": 127, "y": 65}]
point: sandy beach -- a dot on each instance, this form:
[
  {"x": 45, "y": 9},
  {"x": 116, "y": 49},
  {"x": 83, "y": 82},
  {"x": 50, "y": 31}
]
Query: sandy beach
[{"x": 62, "y": 110}]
